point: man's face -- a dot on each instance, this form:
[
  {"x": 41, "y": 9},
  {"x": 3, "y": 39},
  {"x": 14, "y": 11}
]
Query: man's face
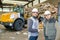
[
  {"x": 35, "y": 14},
  {"x": 48, "y": 16}
]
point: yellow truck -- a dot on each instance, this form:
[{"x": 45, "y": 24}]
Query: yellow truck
[{"x": 13, "y": 20}]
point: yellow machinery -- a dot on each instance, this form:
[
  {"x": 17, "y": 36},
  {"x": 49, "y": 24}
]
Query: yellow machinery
[{"x": 13, "y": 20}]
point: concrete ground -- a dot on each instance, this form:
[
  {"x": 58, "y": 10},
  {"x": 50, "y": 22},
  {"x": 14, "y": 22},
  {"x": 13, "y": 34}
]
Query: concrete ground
[{"x": 21, "y": 35}]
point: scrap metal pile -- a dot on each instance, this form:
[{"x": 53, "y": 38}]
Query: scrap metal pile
[{"x": 43, "y": 7}]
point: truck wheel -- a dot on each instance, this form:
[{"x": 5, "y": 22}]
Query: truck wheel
[{"x": 18, "y": 24}]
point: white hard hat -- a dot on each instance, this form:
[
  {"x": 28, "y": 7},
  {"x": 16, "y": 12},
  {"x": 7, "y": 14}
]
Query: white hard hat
[
  {"x": 35, "y": 10},
  {"x": 47, "y": 12}
]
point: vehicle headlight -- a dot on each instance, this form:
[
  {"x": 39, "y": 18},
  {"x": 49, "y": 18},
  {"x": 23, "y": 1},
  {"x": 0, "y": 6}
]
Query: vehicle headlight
[{"x": 12, "y": 16}]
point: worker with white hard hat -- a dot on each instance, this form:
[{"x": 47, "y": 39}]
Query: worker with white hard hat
[
  {"x": 33, "y": 25},
  {"x": 35, "y": 12},
  {"x": 47, "y": 14},
  {"x": 49, "y": 26}
]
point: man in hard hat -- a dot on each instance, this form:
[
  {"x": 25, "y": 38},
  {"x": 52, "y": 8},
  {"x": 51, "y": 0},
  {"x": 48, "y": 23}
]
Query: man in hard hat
[
  {"x": 49, "y": 26},
  {"x": 33, "y": 25}
]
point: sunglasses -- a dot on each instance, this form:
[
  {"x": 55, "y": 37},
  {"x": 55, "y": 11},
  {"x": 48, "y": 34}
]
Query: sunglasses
[
  {"x": 47, "y": 15},
  {"x": 34, "y": 12}
]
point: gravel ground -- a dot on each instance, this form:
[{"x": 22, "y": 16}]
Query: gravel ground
[
  {"x": 21, "y": 35},
  {"x": 16, "y": 35}
]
